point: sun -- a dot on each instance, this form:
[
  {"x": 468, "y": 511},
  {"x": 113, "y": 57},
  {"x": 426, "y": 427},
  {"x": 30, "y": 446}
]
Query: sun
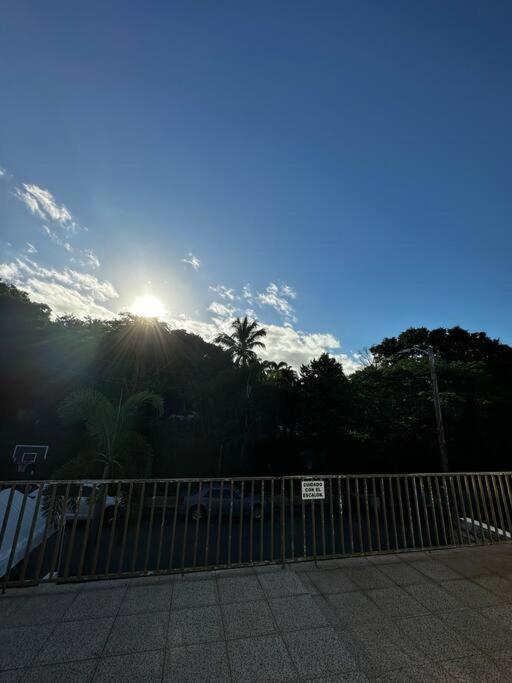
[{"x": 148, "y": 307}]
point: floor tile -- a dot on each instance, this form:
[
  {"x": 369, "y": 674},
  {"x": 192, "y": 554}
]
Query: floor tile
[
  {"x": 282, "y": 583},
  {"x": 78, "y": 672},
  {"x": 195, "y": 625},
  {"x": 142, "y": 666},
  {"x": 485, "y": 634},
  {"x": 369, "y": 577},
  {"x": 319, "y": 652},
  {"x": 34, "y": 609},
  {"x": 156, "y": 598},
  {"x": 243, "y": 619},
  {"x": 194, "y": 593},
  {"x": 95, "y": 604},
  {"x": 396, "y": 603},
  {"x": 240, "y": 589},
  {"x": 477, "y": 668},
  {"x": 207, "y": 662},
  {"x": 433, "y": 638},
  {"x": 470, "y": 594},
  {"x": 297, "y": 612},
  {"x": 137, "y": 632},
  {"x": 433, "y": 597},
  {"x": 19, "y": 645},
  {"x": 76, "y": 640},
  {"x": 403, "y": 574},
  {"x": 260, "y": 659},
  {"x": 332, "y": 581},
  {"x": 353, "y": 608}
]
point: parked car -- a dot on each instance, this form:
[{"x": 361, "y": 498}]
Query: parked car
[
  {"x": 79, "y": 507},
  {"x": 197, "y": 504}
]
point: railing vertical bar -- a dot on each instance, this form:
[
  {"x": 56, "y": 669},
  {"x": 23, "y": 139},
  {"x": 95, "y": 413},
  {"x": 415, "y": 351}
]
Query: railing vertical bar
[
  {"x": 304, "y": 535},
  {"x": 342, "y": 517},
  {"x": 60, "y": 531},
  {"x": 283, "y": 523},
  {"x": 349, "y": 508},
  {"x": 484, "y": 507},
  {"x": 262, "y": 518},
  {"x": 208, "y": 528},
  {"x": 504, "y": 498},
  {"x": 464, "y": 512},
  {"x": 31, "y": 532},
  {"x": 499, "y": 511},
  {"x": 409, "y": 512},
  {"x": 401, "y": 510},
  {"x": 8, "y": 512},
  {"x": 48, "y": 514},
  {"x": 292, "y": 520},
  {"x": 313, "y": 525},
  {"x": 272, "y": 512},
  {"x": 125, "y": 527},
  {"x": 322, "y": 522},
  {"x": 385, "y": 513},
  {"x": 150, "y": 529},
  {"x": 198, "y": 519},
  {"x": 478, "y": 510},
  {"x": 174, "y": 521},
  {"x": 417, "y": 510},
  {"x": 137, "y": 528},
  {"x": 162, "y": 526},
  {"x": 376, "y": 515},
  {"x": 425, "y": 512},
  {"x": 331, "y": 513},
  {"x": 241, "y": 523},
  {"x": 251, "y": 524},
  {"x": 359, "y": 524},
  {"x": 508, "y": 499},
  {"x": 219, "y": 526},
  {"x": 17, "y": 533},
  {"x": 448, "y": 509},
  {"x": 92, "y": 507},
  {"x": 434, "y": 515},
  {"x": 491, "y": 507},
  {"x": 113, "y": 529},
  {"x": 185, "y": 530},
  {"x": 230, "y": 521},
  {"x": 100, "y": 530},
  {"x": 441, "y": 512},
  {"x": 456, "y": 509},
  {"x": 393, "y": 515},
  {"x": 367, "y": 515}
]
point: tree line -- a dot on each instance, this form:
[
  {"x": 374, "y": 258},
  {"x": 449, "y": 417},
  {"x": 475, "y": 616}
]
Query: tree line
[{"x": 131, "y": 397}]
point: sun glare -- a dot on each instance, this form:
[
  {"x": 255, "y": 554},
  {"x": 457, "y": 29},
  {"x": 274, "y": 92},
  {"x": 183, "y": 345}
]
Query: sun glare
[{"x": 148, "y": 307}]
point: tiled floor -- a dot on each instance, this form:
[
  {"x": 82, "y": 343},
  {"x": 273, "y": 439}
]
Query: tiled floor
[{"x": 439, "y": 616}]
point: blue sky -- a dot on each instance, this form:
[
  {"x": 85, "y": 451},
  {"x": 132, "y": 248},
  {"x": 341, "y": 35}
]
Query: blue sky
[{"x": 341, "y": 169}]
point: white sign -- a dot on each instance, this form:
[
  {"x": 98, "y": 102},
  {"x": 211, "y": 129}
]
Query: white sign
[{"x": 313, "y": 489}]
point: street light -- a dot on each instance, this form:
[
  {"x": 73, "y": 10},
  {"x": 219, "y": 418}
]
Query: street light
[{"x": 429, "y": 352}]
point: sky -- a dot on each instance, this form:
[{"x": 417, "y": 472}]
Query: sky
[{"x": 339, "y": 170}]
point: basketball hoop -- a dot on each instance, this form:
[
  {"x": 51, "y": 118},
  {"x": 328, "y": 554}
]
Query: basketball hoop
[{"x": 28, "y": 456}]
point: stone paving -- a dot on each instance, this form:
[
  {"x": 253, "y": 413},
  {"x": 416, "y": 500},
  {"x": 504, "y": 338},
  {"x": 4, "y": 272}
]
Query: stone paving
[{"x": 431, "y": 616}]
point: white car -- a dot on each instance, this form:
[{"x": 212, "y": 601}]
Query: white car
[{"x": 80, "y": 508}]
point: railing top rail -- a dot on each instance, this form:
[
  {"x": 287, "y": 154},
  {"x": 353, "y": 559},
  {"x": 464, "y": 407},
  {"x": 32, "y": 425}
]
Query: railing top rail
[{"x": 186, "y": 480}]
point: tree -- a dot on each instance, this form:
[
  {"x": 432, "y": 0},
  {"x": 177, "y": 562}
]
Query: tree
[
  {"x": 112, "y": 430},
  {"x": 241, "y": 343}
]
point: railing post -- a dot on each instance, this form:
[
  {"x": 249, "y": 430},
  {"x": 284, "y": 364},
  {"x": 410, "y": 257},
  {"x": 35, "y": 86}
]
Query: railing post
[{"x": 283, "y": 527}]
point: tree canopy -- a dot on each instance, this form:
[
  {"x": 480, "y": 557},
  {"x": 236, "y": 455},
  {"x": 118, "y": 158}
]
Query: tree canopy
[{"x": 171, "y": 404}]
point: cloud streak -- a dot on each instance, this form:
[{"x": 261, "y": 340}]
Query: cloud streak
[
  {"x": 42, "y": 203},
  {"x": 191, "y": 260}
]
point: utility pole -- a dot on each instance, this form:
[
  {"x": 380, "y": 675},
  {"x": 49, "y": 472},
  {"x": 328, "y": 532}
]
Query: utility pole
[{"x": 429, "y": 352}]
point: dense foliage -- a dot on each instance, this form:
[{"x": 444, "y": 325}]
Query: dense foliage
[{"x": 131, "y": 397}]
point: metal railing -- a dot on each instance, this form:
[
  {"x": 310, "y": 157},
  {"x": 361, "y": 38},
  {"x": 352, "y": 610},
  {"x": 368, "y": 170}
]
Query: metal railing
[{"x": 82, "y": 530}]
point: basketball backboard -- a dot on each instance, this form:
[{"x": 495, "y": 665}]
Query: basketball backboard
[{"x": 26, "y": 455}]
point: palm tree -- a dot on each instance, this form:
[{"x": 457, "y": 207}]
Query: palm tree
[
  {"x": 280, "y": 373},
  {"x": 241, "y": 343},
  {"x": 112, "y": 429}
]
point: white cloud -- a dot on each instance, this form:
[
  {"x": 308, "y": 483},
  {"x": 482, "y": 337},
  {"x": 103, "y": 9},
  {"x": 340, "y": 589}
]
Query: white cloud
[
  {"x": 223, "y": 310},
  {"x": 247, "y": 293},
  {"x": 191, "y": 260},
  {"x": 224, "y": 292},
  {"x": 2, "y": 172},
  {"x": 91, "y": 259},
  {"x": 65, "y": 291},
  {"x": 277, "y": 297},
  {"x": 30, "y": 249},
  {"x": 42, "y": 203}
]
